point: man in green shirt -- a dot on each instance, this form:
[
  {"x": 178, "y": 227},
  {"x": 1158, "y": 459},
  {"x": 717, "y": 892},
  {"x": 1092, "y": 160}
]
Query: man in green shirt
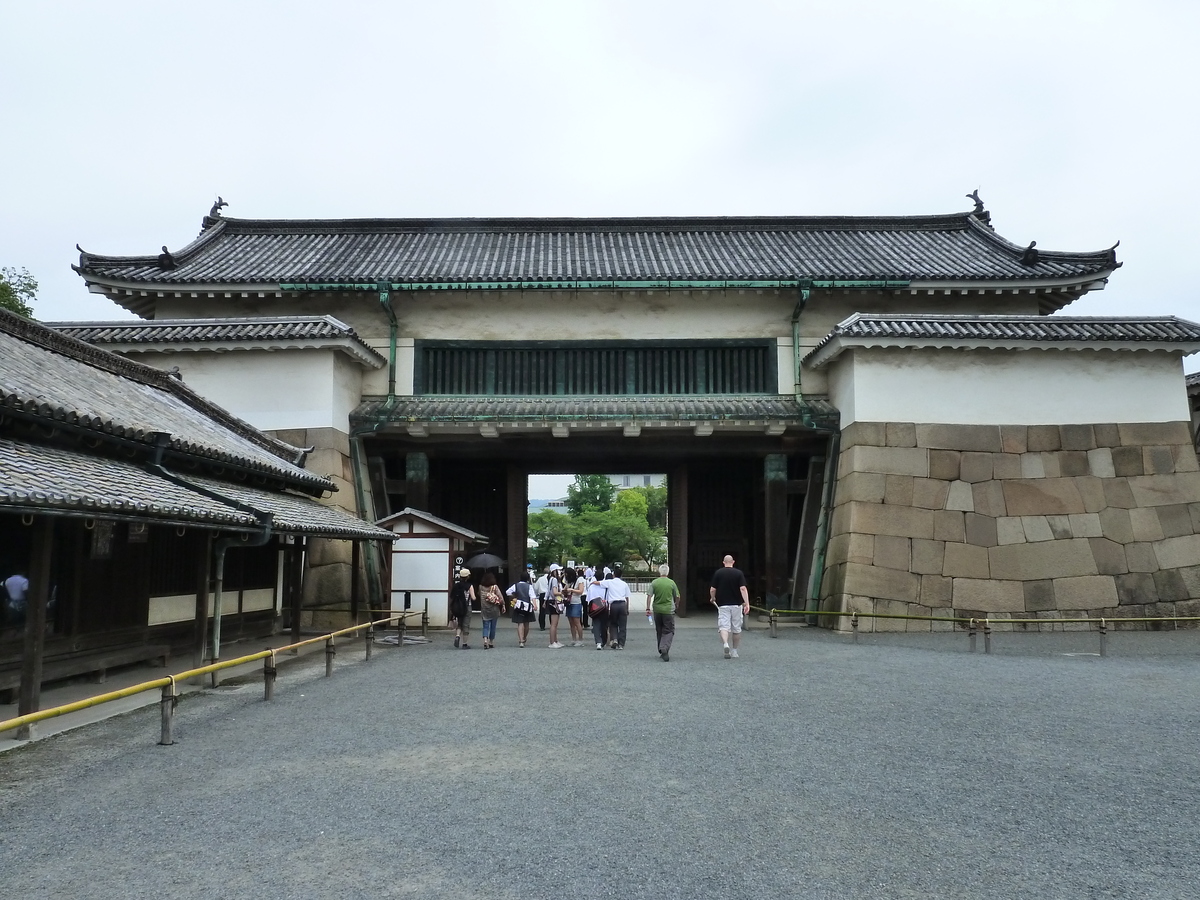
[{"x": 662, "y": 600}]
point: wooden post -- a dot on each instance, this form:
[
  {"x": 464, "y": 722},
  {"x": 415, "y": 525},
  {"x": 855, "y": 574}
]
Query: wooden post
[
  {"x": 802, "y": 565},
  {"x": 36, "y": 601},
  {"x": 200, "y": 628},
  {"x": 355, "y": 553},
  {"x": 297, "y": 589},
  {"x": 416, "y": 481},
  {"x": 677, "y": 531},
  {"x": 776, "y": 526},
  {"x": 518, "y": 520}
]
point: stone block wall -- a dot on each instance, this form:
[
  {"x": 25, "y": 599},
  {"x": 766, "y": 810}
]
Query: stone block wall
[
  {"x": 1014, "y": 521},
  {"x": 327, "y": 582}
]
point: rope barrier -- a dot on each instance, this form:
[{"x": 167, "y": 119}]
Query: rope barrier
[{"x": 168, "y": 682}]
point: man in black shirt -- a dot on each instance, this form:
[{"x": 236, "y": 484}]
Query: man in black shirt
[{"x": 727, "y": 592}]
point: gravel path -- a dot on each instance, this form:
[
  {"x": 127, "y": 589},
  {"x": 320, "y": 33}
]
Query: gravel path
[{"x": 810, "y": 768}]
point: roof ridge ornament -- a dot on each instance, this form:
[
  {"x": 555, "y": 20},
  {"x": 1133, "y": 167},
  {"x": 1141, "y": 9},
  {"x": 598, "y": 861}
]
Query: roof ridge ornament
[
  {"x": 1030, "y": 256},
  {"x": 166, "y": 260},
  {"x": 214, "y": 214}
]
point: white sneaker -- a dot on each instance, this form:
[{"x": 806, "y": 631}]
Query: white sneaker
[
  {"x": 599, "y": 646},
  {"x": 576, "y": 643},
  {"x": 727, "y": 650},
  {"x": 556, "y": 646},
  {"x": 733, "y": 653}
]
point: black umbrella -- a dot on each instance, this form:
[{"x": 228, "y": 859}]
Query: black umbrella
[{"x": 485, "y": 561}]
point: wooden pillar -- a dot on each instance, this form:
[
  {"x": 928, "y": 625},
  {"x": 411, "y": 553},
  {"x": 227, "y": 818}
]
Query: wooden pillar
[
  {"x": 802, "y": 564},
  {"x": 200, "y": 628},
  {"x": 296, "y": 592},
  {"x": 677, "y": 531},
  {"x": 416, "y": 481},
  {"x": 775, "y": 530},
  {"x": 355, "y": 557},
  {"x": 517, "y": 524},
  {"x": 36, "y": 601}
]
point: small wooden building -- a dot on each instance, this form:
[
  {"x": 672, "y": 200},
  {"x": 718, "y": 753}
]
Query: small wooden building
[
  {"x": 425, "y": 557},
  {"x": 128, "y": 501}
]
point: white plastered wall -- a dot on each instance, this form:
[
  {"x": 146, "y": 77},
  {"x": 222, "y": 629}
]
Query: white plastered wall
[
  {"x": 273, "y": 390},
  {"x": 1020, "y": 387}
]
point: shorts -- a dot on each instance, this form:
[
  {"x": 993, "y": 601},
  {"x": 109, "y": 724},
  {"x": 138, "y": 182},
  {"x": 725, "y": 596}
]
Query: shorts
[
  {"x": 729, "y": 618},
  {"x": 574, "y": 610}
]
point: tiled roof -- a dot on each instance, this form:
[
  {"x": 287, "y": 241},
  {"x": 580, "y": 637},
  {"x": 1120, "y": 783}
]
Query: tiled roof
[
  {"x": 290, "y": 331},
  {"x": 551, "y": 410},
  {"x": 43, "y": 477},
  {"x": 38, "y": 477},
  {"x": 863, "y": 328},
  {"x": 957, "y": 248},
  {"x": 71, "y": 385},
  {"x": 466, "y": 533}
]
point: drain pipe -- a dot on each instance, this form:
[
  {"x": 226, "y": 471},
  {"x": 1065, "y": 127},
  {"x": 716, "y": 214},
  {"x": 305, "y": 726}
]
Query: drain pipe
[
  {"x": 805, "y": 291},
  {"x": 385, "y": 300},
  {"x": 265, "y": 523}
]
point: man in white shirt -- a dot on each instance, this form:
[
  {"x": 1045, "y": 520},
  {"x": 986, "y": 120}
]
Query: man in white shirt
[
  {"x": 618, "y": 609},
  {"x": 542, "y": 587}
]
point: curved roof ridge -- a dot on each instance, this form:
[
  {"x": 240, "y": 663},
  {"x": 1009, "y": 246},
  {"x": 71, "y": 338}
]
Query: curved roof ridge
[{"x": 986, "y": 231}]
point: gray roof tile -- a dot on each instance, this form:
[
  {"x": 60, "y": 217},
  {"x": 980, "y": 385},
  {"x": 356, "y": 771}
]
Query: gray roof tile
[
  {"x": 958, "y": 247},
  {"x": 49, "y": 376},
  {"x": 1010, "y": 329},
  {"x": 769, "y": 408}
]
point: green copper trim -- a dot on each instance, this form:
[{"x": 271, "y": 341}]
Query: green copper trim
[{"x": 593, "y": 284}]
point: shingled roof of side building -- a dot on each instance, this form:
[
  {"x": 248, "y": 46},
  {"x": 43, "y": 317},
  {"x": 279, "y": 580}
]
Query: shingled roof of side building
[
  {"x": 81, "y": 425},
  {"x": 916, "y": 252}
]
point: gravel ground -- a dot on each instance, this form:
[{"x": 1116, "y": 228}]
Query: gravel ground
[{"x": 810, "y": 768}]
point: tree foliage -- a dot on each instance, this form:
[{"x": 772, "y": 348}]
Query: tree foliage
[
  {"x": 590, "y": 493},
  {"x": 18, "y": 291},
  {"x": 656, "y": 504}
]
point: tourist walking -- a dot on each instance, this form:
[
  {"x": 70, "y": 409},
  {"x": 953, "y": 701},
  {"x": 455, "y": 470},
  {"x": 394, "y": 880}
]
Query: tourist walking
[
  {"x": 618, "y": 609},
  {"x": 574, "y": 589},
  {"x": 596, "y": 601},
  {"x": 462, "y": 598},
  {"x": 727, "y": 592},
  {"x": 541, "y": 588},
  {"x": 663, "y": 602},
  {"x": 491, "y": 604},
  {"x": 552, "y": 605},
  {"x": 524, "y": 607}
]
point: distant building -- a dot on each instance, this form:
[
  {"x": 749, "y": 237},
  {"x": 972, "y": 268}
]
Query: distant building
[{"x": 625, "y": 482}]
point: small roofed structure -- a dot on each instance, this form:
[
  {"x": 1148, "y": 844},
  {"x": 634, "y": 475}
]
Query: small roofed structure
[
  {"x": 124, "y": 498},
  {"x": 425, "y": 557}
]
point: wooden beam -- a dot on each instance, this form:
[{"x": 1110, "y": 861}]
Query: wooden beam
[
  {"x": 517, "y": 524},
  {"x": 36, "y": 601},
  {"x": 200, "y": 628},
  {"x": 802, "y": 564},
  {"x": 775, "y": 526},
  {"x": 677, "y": 531}
]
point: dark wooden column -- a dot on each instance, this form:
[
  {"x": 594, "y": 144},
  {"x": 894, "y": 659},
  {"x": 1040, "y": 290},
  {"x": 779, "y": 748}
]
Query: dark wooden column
[
  {"x": 355, "y": 559},
  {"x": 775, "y": 532},
  {"x": 677, "y": 531},
  {"x": 517, "y": 524},
  {"x": 802, "y": 564},
  {"x": 416, "y": 481},
  {"x": 36, "y": 601},
  {"x": 200, "y": 628},
  {"x": 296, "y": 590}
]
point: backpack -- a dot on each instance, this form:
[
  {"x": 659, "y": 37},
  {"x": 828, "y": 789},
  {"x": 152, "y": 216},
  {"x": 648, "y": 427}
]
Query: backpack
[{"x": 459, "y": 598}]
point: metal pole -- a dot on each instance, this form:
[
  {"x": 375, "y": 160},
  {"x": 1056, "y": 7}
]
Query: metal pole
[
  {"x": 425, "y": 620},
  {"x": 1103, "y": 637},
  {"x": 854, "y": 626},
  {"x": 971, "y": 630},
  {"x": 269, "y": 672},
  {"x": 330, "y": 652},
  {"x": 167, "y": 706},
  {"x": 987, "y": 635},
  {"x": 774, "y": 623},
  {"x": 370, "y": 638}
]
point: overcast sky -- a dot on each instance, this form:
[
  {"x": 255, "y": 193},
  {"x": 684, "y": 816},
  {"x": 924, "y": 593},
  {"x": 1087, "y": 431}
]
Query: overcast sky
[{"x": 1075, "y": 120}]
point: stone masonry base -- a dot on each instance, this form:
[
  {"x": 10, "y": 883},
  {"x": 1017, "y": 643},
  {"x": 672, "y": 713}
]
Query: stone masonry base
[{"x": 1014, "y": 522}]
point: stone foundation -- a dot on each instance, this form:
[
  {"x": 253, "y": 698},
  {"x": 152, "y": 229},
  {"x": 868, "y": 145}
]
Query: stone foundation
[{"x": 1014, "y": 521}]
